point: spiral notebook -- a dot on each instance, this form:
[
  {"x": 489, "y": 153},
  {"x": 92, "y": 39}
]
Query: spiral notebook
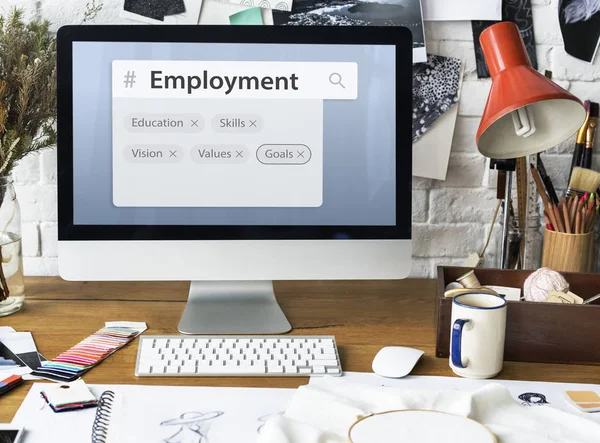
[
  {"x": 155, "y": 414},
  {"x": 106, "y": 416}
]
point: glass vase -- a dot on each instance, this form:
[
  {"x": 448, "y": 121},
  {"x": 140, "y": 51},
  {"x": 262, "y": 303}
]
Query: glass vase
[
  {"x": 12, "y": 285},
  {"x": 524, "y": 243}
]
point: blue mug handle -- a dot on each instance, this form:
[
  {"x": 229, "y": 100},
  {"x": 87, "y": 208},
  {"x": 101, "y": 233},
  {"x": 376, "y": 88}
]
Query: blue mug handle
[{"x": 455, "y": 351}]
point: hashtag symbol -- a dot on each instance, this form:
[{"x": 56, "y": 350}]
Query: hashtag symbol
[{"x": 129, "y": 79}]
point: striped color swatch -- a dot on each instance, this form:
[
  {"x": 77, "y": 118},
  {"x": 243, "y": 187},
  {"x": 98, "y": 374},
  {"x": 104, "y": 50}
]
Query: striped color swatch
[{"x": 72, "y": 364}]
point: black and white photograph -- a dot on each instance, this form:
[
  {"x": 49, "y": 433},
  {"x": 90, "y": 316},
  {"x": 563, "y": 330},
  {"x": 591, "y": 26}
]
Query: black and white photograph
[
  {"x": 405, "y": 13},
  {"x": 10, "y": 435},
  {"x": 580, "y": 27},
  {"x": 518, "y": 12},
  {"x": 10, "y": 362}
]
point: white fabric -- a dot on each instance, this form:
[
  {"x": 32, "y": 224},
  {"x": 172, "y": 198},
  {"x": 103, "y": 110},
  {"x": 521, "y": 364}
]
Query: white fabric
[{"x": 323, "y": 412}]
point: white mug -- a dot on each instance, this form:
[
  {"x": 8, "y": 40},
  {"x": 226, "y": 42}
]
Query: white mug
[{"x": 477, "y": 335}]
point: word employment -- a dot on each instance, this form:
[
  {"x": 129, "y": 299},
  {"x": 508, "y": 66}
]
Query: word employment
[{"x": 226, "y": 82}]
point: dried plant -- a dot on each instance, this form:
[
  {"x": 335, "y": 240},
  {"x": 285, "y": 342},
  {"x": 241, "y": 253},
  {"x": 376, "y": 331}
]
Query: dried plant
[
  {"x": 92, "y": 9},
  {"x": 27, "y": 97},
  {"x": 27, "y": 88}
]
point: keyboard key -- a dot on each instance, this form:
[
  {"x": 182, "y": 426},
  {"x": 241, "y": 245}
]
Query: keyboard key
[
  {"x": 327, "y": 362},
  {"x": 172, "y": 369},
  {"x": 291, "y": 369},
  {"x": 144, "y": 369},
  {"x": 150, "y": 353},
  {"x": 158, "y": 369},
  {"x": 231, "y": 370},
  {"x": 333, "y": 370},
  {"x": 319, "y": 369},
  {"x": 305, "y": 370},
  {"x": 325, "y": 357},
  {"x": 275, "y": 369},
  {"x": 147, "y": 344}
]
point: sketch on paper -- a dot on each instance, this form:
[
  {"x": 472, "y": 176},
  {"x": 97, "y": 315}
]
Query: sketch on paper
[
  {"x": 263, "y": 420},
  {"x": 193, "y": 427},
  {"x": 580, "y": 27},
  {"x": 533, "y": 399}
]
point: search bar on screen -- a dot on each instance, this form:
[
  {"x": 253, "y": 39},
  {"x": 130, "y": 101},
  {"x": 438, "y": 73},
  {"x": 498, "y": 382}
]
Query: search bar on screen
[{"x": 235, "y": 79}]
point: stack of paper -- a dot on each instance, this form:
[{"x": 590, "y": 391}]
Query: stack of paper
[{"x": 18, "y": 353}]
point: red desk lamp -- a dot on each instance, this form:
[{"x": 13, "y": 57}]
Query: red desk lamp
[{"x": 526, "y": 113}]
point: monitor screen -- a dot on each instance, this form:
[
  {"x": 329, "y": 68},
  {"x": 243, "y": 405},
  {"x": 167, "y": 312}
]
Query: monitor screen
[{"x": 234, "y": 134}]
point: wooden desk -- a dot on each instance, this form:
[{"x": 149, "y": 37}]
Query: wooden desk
[{"x": 364, "y": 316}]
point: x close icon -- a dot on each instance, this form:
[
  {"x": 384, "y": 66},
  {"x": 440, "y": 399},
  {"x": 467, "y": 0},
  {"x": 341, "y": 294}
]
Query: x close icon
[
  {"x": 195, "y": 123},
  {"x": 173, "y": 154},
  {"x": 239, "y": 154},
  {"x": 253, "y": 124},
  {"x": 300, "y": 154}
]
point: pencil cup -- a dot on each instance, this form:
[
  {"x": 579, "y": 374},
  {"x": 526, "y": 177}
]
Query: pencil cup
[{"x": 568, "y": 252}]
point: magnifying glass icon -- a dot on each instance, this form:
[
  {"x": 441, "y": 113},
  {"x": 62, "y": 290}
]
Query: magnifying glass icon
[{"x": 336, "y": 79}]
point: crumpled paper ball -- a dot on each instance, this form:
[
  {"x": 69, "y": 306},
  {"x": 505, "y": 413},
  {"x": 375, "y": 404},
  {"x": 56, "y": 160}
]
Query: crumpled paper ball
[{"x": 543, "y": 281}]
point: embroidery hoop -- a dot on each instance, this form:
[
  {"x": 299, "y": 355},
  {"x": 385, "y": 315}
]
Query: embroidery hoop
[{"x": 366, "y": 417}]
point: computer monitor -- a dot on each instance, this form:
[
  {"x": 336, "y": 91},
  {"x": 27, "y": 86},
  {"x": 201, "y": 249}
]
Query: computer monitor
[{"x": 231, "y": 157}]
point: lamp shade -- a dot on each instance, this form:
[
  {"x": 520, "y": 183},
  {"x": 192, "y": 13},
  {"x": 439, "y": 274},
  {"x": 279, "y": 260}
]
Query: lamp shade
[{"x": 519, "y": 90}]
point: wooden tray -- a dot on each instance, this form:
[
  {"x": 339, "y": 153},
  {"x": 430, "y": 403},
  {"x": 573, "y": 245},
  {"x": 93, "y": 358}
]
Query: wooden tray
[{"x": 535, "y": 332}]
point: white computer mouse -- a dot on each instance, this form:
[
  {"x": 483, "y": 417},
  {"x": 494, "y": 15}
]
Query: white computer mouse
[{"x": 396, "y": 361}]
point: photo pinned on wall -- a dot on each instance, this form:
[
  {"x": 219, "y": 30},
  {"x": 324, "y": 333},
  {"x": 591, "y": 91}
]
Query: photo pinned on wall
[
  {"x": 459, "y": 10},
  {"x": 435, "y": 91},
  {"x": 250, "y": 16},
  {"x": 359, "y": 13},
  {"x": 518, "y": 12},
  {"x": 580, "y": 27},
  {"x": 162, "y": 11},
  {"x": 280, "y": 5}
]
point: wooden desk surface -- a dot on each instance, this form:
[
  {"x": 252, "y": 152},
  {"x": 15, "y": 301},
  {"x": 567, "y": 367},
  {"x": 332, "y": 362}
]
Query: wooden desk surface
[{"x": 364, "y": 316}]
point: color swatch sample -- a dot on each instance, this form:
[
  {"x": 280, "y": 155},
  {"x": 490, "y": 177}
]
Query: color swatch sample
[
  {"x": 250, "y": 16},
  {"x": 68, "y": 396},
  {"x": 586, "y": 401},
  {"x": 8, "y": 383},
  {"x": 70, "y": 365}
]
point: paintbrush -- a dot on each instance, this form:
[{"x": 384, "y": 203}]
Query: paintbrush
[
  {"x": 583, "y": 181},
  {"x": 591, "y": 135},
  {"x": 548, "y": 206},
  {"x": 580, "y": 141},
  {"x": 547, "y": 181}
]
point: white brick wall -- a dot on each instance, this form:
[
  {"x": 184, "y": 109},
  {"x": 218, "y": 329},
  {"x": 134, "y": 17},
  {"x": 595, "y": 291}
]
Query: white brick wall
[{"x": 450, "y": 219}]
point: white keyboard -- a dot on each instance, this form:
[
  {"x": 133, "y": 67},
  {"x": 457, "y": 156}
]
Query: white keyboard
[{"x": 200, "y": 356}]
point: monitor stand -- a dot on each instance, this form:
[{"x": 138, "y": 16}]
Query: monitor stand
[{"x": 233, "y": 307}]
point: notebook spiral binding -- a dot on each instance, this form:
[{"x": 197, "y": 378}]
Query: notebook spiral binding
[{"x": 102, "y": 420}]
